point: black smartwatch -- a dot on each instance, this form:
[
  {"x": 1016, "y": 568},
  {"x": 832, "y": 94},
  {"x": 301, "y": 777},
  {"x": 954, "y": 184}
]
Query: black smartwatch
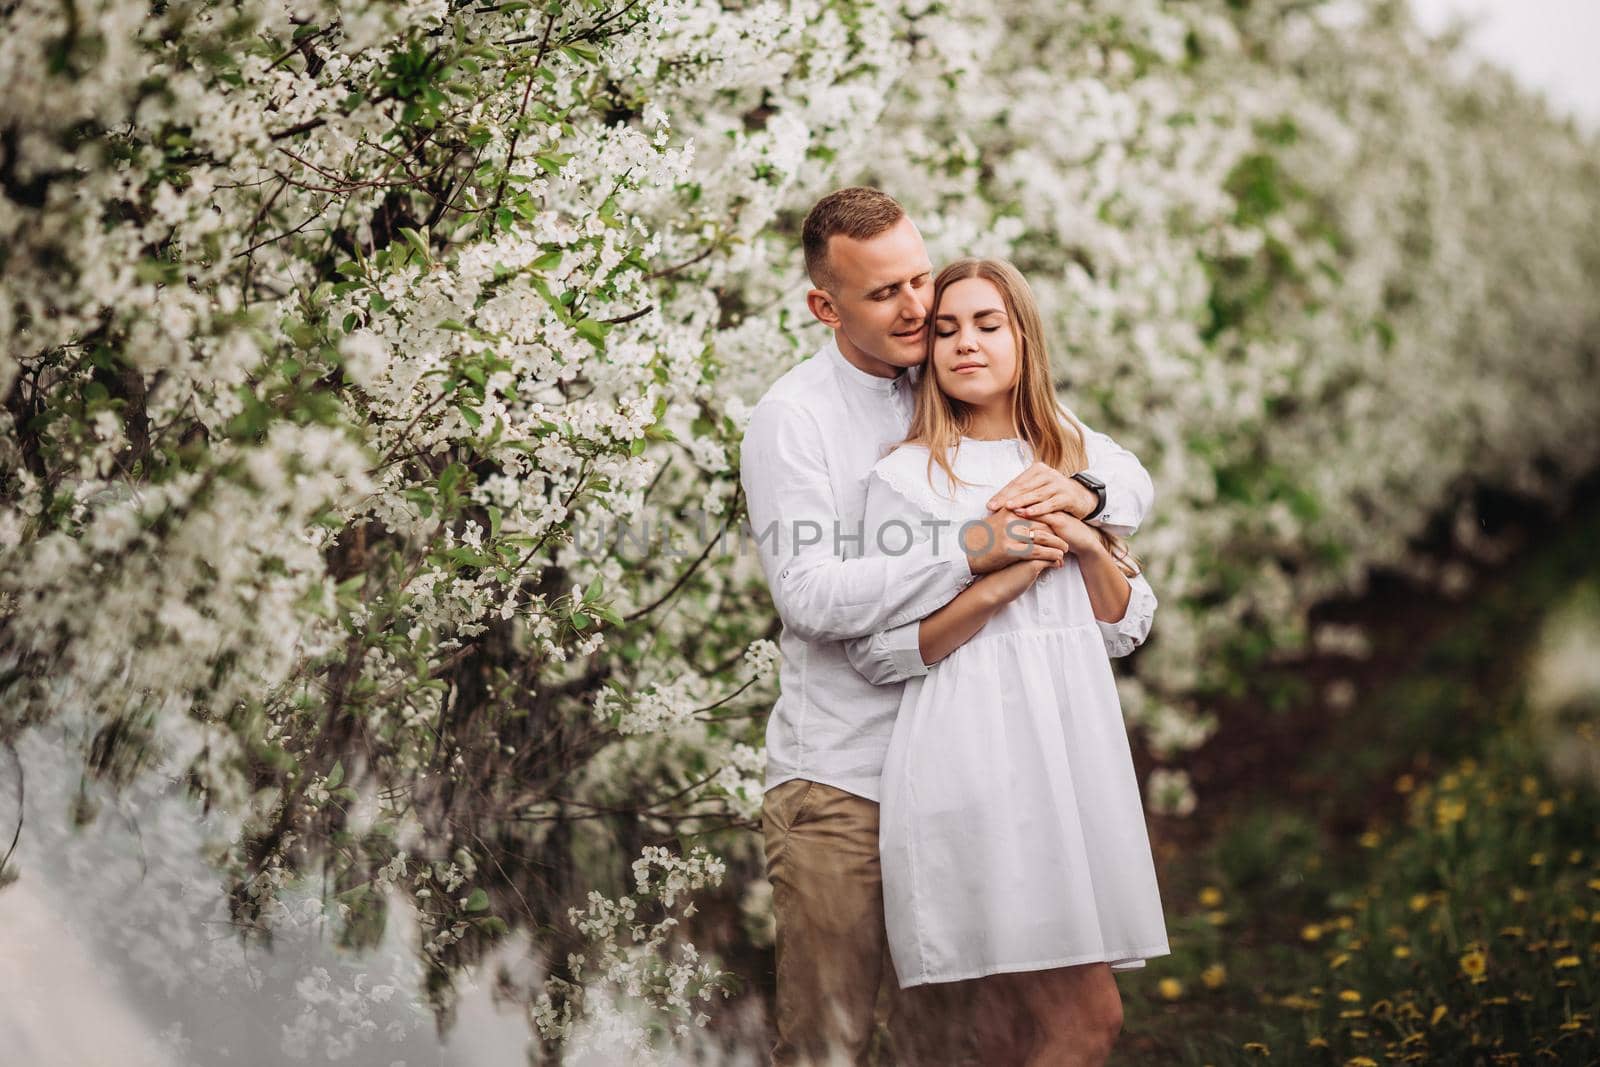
[{"x": 1089, "y": 481}]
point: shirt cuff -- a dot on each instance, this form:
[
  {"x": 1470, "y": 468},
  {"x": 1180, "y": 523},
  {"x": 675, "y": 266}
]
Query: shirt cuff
[
  {"x": 901, "y": 646},
  {"x": 1118, "y": 511}
]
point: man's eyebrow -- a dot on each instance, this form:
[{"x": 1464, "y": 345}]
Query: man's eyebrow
[{"x": 897, "y": 284}]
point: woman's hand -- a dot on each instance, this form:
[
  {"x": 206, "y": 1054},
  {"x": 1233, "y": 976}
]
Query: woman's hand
[
  {"x": 1006, "y": 584},
  {"x": 1081, "y": 538}
]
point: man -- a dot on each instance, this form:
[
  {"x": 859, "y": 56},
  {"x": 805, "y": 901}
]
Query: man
[{"x": 809, "y": 445}]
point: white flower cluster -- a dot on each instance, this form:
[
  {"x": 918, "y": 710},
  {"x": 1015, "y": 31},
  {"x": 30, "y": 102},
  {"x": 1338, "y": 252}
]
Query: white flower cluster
[{"x": 630, "y": 961}]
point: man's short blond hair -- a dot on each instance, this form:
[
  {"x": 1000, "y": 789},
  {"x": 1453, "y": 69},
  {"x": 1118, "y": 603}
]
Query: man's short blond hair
[{"x": 859, "y": 212}]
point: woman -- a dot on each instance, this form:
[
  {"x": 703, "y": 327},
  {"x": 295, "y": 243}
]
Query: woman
[{"x": 1011, "y": 830}]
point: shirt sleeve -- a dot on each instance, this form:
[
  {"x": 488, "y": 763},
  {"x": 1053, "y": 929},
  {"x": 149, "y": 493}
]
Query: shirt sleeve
[
  {"x": 893, "y": 654},
  {"x": 1129, "y": 632},
  {"x": 799, "y": 536},
  {"x": 1130, "y": 491}
]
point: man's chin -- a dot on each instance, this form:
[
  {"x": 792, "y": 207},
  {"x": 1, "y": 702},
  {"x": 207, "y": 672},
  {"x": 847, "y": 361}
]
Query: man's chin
[{"x": 906, "y": 352}]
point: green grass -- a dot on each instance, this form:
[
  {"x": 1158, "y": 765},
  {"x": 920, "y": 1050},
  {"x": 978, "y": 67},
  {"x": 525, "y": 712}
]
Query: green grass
[{"x": 1436, "y": 899}]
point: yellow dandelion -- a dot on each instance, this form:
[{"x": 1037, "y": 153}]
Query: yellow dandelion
[
  {"x": 1217, "y": 918},
  {"x": 1351, "y": 1013},
  {"x": 1439, "y": 1012},
  {"x": 1519, "y": 895},
  {"x": 1545, "y": 807},
  {"x": 1311, "y": 932},
  {"x": 1536, "y": 860},
  {"x": 1213, "y": 976},
  {"x": 1580, "y": 913},
  {"x": 1210, "y": 896},
  {"x": 1404, "y": 784},
  {"x": 1571, "y": 1024},
  {"x": 1473, "y": 963},
  {"x": 1350, "y": 996},
  {"x": 1568, "y": 961},
  {"x": 1448, "y": 811},
  {"x": 1170, "y": 988},
  {"x": 1360, "y": 1061},
  {"x": 1370, "y": 839},
  {"x": 1339, "y": 961},
  {"x": 1594, "y": 883},
  {"x": 1513, "y": 931},
  {"x": 1530, "y": 784},
  {"x": 1402, "y": 952},
  {"x": 1450, "y": 781},
  {"x": 1317, "y": 1041},
  {"x": 1344, "y": 922},
  {"x": 1419, "y": 901},
  {"x": 1575, "y": 856},
  {"x": 1258, "y": 1048}
]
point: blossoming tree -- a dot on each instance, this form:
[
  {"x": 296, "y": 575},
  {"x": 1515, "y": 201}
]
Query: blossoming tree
[{"x": 374, "y": 375}]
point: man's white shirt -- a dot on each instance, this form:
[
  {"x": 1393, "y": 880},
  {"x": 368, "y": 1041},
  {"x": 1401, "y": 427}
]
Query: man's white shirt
[{"x": 811, "y": 441}]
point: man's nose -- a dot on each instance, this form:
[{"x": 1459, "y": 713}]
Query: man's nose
[{"x": 912, "y": 306}]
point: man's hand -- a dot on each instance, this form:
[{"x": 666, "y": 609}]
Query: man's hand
[
  {"x": 1040, "y": 489},
  {"x": 1010, "y": 539}
]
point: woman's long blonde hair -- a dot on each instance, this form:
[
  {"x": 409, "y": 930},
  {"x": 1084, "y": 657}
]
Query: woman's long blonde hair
[{"x": 1055, "y": 436}]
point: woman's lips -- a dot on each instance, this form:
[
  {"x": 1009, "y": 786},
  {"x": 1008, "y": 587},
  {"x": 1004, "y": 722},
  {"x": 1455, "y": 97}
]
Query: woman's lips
[{"x": 967, "y": 368}]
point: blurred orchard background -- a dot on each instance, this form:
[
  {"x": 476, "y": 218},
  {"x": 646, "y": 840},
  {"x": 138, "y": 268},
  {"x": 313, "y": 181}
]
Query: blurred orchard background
[{"x": 382, "y": 676}]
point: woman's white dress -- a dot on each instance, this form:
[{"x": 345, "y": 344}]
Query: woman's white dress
[{"x": 1012, "y": 831}]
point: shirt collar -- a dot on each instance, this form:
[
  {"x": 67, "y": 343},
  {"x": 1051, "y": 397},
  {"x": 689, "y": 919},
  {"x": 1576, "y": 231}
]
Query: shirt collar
[{"x": 849, "y": 372}]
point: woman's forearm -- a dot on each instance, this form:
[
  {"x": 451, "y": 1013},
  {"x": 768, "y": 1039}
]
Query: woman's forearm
[
  {"x": 953, "y": 625},
  {"x": 1109, "y": 590}
]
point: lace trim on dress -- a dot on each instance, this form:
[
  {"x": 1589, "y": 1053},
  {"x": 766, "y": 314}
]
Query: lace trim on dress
[{"x": 905, "y": 471}]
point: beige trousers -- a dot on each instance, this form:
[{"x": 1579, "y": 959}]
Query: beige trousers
[{"x": 832, "y": 948}]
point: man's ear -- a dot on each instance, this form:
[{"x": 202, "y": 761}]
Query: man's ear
[{"x": 820, "y": 303}]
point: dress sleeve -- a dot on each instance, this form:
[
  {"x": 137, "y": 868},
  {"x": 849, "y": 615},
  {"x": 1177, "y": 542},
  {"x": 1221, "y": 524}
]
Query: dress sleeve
[
  {"x": 1129, "y": 632},
  {"x": 1130, "y": 491},
  {"x": 892, "y": 655},
  {"x": 794, "y": 519}
]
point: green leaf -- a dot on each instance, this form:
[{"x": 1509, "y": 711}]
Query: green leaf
[
  {"x": 551, "y": 164},
  {"x": 335, "y": 776},
  {"x": 470, "y": 416},
  {"x": 478, "y": 900},
  {"x": 417, "y": 241}
]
